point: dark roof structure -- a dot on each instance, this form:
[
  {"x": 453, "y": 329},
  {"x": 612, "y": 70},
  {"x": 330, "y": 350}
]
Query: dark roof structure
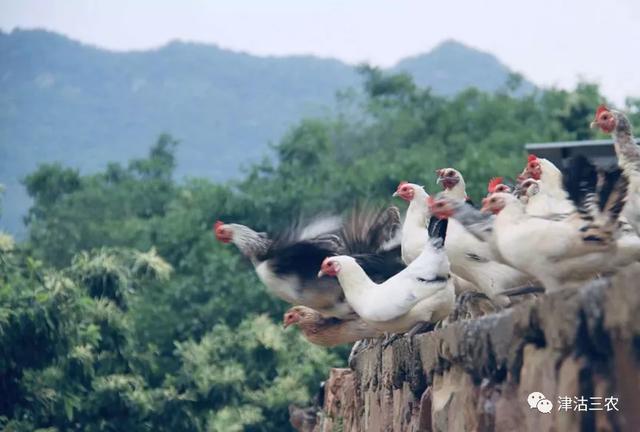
[{"x": 600, "y": 152}]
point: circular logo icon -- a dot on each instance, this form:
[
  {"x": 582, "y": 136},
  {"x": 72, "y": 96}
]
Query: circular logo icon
[
  {"x": 534, "y": 398},
  {"x": 545, "y": 406}
]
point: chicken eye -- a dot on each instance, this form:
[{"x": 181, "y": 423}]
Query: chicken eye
[{"x": 450, "y": 174}]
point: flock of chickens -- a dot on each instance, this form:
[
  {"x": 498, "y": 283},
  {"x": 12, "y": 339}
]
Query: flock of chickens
[{"x": 370, "y": 275}]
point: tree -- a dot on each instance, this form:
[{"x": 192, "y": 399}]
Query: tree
[{"x": 184, "y": 336}]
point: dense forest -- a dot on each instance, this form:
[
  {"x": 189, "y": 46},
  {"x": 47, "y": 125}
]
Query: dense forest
[{"x": 122, "y": 312}]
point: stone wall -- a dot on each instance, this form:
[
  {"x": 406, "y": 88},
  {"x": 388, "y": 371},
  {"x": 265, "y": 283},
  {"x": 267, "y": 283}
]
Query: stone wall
[{"x": 475, "y": 375}]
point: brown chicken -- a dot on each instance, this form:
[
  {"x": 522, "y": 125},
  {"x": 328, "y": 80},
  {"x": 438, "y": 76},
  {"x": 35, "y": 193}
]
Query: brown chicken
[{"x": 328, "y": 331}]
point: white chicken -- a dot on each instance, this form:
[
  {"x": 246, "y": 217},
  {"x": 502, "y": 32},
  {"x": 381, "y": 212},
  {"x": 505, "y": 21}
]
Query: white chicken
[
  {"x": 550, "y": 198},
  {"x": 461, "y": 247},
  {"x": 421, "y": 293},
  {"x": 497, "y": 184},
  {"x": 471, "y": 258},
  {"x": 627, "y": 242},
  {"x": 419, "y": 225},
  {"x": 415, "y": 225},
  {"x": 560, "y": 252},
  {"x": 494, "y": 277}
]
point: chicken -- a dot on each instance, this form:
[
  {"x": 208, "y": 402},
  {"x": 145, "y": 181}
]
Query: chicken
[
  {"x": 471, "y": 258},
  {"x": 559, "y": 252},
  {"x": 460, "y": 245},
  {"x": 628, "y": 152},
  {"x": 288, "y": 264},
  {"x": 328, "y": 332},
  {"x": 418, "y": 222},
  {"x": 453, "y": 183},
  {"x": 479, "y": 224},
  {"x": 582, "y": 176},
  {"x": 497, "y": 184},
  {"x": 421, "y": 293},
  {"x": 492, "y": 276},
  {"x": 526, "y": 189},
  {"x": 551, "y": 198}
]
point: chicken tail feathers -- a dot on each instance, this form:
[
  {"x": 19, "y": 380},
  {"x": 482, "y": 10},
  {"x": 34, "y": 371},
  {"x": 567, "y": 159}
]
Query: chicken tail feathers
[
  {"x": 580, "y": 181},
  {"x": 303, "y": 258},
  {"x": 382, "y": 265},
  {"x": 367, "y": 230},
  {"x": 598, "y": 195},
  {"x": 612, "y": 194}
]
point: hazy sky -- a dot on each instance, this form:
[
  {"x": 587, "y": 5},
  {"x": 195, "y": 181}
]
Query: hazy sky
[{"x": 551, "y": 42}]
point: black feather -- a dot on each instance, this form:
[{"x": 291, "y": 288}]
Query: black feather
[
  {"x": 380, "y": 266},
  {"x": 435, "y": 279},
  {"x": 580, "y": 181},
  {"x": 361, "y": 236},
  {"x": 302, "y": 258},
  {"x": 437, "y": 228},
  {"x": 366, "y": 229}
]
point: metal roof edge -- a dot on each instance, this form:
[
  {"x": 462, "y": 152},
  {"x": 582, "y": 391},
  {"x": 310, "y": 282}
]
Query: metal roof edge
[{"x": 567, "y": 144}]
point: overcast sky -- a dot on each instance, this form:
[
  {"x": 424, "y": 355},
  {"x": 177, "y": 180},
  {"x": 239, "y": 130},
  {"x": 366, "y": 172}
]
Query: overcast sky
[{"x": 551, "y": 42}]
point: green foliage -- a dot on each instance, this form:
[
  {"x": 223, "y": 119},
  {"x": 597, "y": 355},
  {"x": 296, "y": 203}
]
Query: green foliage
[{"x": 97, "y": 335}]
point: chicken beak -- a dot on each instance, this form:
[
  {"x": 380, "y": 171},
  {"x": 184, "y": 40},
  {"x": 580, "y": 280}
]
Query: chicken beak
[
  {"x": 439, "y": 180},
  {"x": 320, "y": 274},
  {"x": 395, "y": 194},
  {"x": 594, "y": 124}
]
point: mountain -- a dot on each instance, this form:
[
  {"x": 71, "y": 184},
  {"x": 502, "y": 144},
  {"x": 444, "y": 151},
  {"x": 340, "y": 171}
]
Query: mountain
[
  {"x": 61, "y": 100},
  {"x": 451, "y": 67}
]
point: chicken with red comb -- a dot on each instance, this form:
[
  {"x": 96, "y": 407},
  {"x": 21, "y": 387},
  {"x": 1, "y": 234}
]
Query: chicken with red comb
[
  {"x": 288, "y": 263},
  {"x": 627, "y": 150},
  {"x": 422, "y": 293},
  {"x": 496, "y": 184},
  {"x": 552, "y": 197},
  {"x": 222, "y": 233},
  {"x": 488, "y": 272},
  {"x": 563, "y": 250},
  {"x": 418, "y": 223}
]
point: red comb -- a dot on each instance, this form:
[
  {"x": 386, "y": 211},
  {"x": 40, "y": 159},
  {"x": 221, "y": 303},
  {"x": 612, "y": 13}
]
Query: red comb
[
  {"x": 403, "y": 182},
  {"x": 532, "y": 158},
  {"x": 602, "y": 108},
  {"x": 217, "y": 225},
  {"x": 493, "y": 183}
]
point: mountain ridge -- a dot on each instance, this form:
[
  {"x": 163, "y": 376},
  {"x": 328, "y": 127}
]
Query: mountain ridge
[{"x": 64, "y": 100}]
